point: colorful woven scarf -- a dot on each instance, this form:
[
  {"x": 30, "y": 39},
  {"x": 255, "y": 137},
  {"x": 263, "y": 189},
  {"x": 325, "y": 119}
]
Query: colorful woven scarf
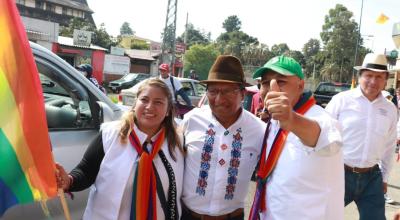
[
  {"x": 267, "y": 164},
  {"x": 144, "y": 184}
]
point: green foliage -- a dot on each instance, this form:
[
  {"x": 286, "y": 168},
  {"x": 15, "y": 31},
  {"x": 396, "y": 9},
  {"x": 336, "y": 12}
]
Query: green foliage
[
  {"x": 200, "y": 58},
  {"x": 339, "y": 35},
  {"x": 76, "y": 23},
  {"x": 126, "y": 29},
  {"x": 100, "y": 37},
  {"x": 232, "y": 23},
  {"x": 140, "y": 45},
  {"x": 310, "y": 52},
  {"x": 280, "y": 49},
  {"x": 194, "y": 36}
]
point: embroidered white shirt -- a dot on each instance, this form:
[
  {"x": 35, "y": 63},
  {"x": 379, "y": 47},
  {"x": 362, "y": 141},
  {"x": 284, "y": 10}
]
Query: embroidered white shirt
[
  {"x": 307, "y": 183},
  {"x": 369, "y": 129},
  {"x": 219, "y": 162}
]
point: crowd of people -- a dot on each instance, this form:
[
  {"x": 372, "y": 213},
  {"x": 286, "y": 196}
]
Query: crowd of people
[{"x": 308, "y": 162}]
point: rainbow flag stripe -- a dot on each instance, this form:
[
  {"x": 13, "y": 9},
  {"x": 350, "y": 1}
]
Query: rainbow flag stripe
[{"x": 26, "y": 162}]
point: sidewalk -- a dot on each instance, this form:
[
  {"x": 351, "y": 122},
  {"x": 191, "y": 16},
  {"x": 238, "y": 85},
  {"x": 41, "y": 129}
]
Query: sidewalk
[{"x": 350, "y": 212}]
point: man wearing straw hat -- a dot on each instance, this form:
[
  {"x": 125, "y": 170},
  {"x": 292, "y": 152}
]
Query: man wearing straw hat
[
  {"x": 223, "y": 144},
  {"x": 368, "y": 123},
  {"x": 300, "y": 175}
]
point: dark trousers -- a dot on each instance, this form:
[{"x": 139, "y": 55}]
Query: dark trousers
[{"x": 366, "y": 190}]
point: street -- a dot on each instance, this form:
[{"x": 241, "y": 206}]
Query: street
[{"x": 350, "y": 211}]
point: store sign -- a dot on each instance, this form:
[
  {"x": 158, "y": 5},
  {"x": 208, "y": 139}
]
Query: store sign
[
  {"x": 82, "y": 38},
  {"x": 180, "y": 47}
]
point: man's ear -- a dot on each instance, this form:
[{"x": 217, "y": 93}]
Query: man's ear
[{"x": 301, "y": 85}]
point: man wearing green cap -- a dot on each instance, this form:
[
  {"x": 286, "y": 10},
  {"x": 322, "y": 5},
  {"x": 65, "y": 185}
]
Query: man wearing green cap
[{"x": 300, "y": 173}]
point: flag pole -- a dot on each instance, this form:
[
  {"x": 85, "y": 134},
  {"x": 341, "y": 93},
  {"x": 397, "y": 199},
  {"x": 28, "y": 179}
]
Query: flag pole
[{"x": 64, "y": 204}]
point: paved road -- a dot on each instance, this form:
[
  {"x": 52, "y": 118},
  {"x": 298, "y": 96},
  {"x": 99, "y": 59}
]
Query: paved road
[{"x": 351, "y": 212}]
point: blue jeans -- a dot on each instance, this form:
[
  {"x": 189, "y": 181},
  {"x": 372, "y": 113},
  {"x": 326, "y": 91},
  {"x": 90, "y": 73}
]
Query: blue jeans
[{"x": 366, "y": 190}]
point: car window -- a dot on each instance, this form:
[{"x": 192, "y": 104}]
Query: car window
[
  {"x": 130, "y": 77},
  {"x": 188, "y": 88},
  {"x": 201, "y": 89},
  {"x": 64, "y": 109}
]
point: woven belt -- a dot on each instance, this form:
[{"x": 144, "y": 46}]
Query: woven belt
[
  {"x": 358, "y": 169},
  {"x": 236, "y": 213}
]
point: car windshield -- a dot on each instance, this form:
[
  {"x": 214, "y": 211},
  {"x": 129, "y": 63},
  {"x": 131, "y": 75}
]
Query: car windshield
[
  {"x": 130, "y": 76},
  {"x": 328, "y": 88}
]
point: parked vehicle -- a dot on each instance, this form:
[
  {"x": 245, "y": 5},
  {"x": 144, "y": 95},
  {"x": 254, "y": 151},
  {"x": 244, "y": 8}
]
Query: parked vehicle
[
  {"x": 127, "y": 81},
  {"x": 75, "y": 108},
  {"x": 326, "y": 90},
  {"x": 193, "y": 88}
]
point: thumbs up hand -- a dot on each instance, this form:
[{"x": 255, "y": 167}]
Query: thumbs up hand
[{"x": 278, "y": 105}]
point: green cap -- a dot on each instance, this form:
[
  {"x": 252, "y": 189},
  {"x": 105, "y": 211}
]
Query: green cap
[{"x": 281, "y": 64}]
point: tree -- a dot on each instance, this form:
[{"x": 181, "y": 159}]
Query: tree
[
  {"x": 76, "y": 23},
  {"x": 339, "y": 35},
  {"x": 100, "y": 37},
  {"x": 194, "y": 36},
  {"x": 310, "y": 51},
  {"x": 200, "y": 58},
  {"x": 280, "y": 49},
  {"x": 126, "y": 29},
  {"x": 232, "y": 23},
  {"x": 298, "y": 56}
]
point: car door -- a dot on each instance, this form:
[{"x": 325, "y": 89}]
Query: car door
[{"x": 73, "y": 119}]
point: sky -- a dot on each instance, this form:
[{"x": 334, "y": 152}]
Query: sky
[{"x": 293, "y": 22}]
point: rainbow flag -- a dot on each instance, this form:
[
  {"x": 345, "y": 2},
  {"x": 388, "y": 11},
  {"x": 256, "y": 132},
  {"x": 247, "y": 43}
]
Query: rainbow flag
[{"x": 26, "y": 162}]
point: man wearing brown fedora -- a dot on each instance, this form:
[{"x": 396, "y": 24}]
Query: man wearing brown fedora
[
  {"x": 223, "y": 144},
  {"x": 368, "y": 123}
]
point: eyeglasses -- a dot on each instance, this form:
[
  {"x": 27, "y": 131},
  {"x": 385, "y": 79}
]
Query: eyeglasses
[{"x": 213, "y": 92}]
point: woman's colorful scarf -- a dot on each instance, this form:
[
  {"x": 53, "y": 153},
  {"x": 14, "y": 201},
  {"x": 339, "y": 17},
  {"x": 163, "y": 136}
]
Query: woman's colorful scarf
[
  {"x": 144, "y": 184},
  {"x": 267, "y": 165}
]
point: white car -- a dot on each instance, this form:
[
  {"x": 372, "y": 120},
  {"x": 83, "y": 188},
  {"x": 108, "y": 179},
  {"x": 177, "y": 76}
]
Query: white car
[{"x": 193, "y": 88}]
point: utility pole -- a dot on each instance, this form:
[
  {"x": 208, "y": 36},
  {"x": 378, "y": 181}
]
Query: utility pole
[
  {"x": 185, "y": 43},
  {"x": 169, "y": 37}
]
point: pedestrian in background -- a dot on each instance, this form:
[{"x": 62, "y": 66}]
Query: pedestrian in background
[
  {"x": 300, "y": 175},
  {"x": 369, "y": 122},
  {"x": 193, "y": 75},
  {"x": 135, "y": 166},
  {"x": 223, "y": 144},
  {"x": 87, "y": 71},
  {"x": 176, "y": 89}
]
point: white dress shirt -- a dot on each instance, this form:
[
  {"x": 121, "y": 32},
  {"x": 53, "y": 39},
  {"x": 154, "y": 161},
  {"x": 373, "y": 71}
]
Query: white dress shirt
[
  {"x": 369, "y": 129},
  {"x": 307, "y": 183},
  {"x": 226, "y": 163},
  {"x": 177, "y": 85}
]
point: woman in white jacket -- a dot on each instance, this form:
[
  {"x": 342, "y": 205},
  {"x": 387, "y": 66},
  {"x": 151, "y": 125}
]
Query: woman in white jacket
[{"x": 135, "y": 166}]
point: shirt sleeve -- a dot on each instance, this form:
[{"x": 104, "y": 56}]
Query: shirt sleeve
[
  {"x": 177, "y": 84},
  {"x": 388, "y": 156},
  {"x": 333, "y": 107},
  {"x": 85, "y": 173},
  {"x": 330, "y": 138}
]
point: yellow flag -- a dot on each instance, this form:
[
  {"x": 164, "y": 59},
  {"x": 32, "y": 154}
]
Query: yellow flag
[
  {"x": 382, "y": 19},
  {"x": 353, "y": 83}
]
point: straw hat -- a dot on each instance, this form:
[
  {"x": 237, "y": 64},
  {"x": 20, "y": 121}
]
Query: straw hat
[{"x": 374, "y": 62}]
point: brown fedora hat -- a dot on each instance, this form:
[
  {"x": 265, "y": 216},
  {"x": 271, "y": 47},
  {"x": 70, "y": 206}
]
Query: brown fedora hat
[{"x": 227, "y": 69}]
